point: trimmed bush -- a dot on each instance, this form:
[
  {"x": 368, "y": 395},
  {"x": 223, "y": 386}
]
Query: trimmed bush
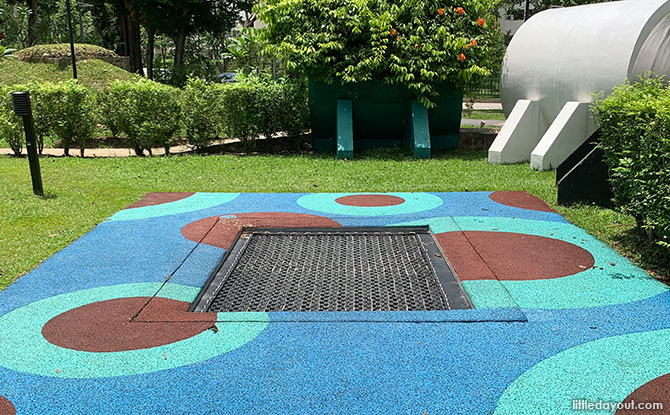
[
  {"x": 108, "y": 112},
  {"x": 635, "y": 121},
  {"x": 254, "y": 107},
  {"x": 242, "y": 109},
  {"x": 68, "y": 110},
  {"x": 150, "y": 114},
  {"x": 201, "y": 112},
  {"x": 45, "y": 102},
  {"x": 147, "y": 112}
]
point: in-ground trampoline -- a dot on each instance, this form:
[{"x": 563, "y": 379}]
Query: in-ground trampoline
[{"x": 536, "y": 314}]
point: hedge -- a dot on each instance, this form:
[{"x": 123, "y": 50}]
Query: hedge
[
  {"x": 202, "y": 113},
  {"x": 64, "y": 110},
  {"x": 148, "y": 114},
  {"x": 635, "y": 121}
]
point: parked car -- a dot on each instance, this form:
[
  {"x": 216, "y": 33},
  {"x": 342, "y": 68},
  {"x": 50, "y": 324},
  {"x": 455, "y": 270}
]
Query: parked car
[{"x": 225, "y": 77}]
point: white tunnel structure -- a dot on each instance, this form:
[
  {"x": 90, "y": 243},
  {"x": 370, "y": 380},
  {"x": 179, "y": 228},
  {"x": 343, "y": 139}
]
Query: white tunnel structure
[{"x": 558, "y": 58}]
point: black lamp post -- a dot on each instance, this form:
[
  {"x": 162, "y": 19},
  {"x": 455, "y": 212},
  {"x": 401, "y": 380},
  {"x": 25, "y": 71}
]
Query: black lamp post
[
  {"x": 21, "y": 101},
  {"x": 69, "y": 25}
]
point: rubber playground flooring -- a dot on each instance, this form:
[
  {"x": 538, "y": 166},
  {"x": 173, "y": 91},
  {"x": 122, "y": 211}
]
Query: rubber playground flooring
[{"x": 560, "y": 319}]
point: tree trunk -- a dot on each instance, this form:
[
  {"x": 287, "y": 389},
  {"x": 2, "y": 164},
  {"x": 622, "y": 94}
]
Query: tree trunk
[
  {"x": 129, "y": 30},
  {"x": 138, "y": 150},
  {"x": 179, "y": 42},
  {"x": 151, "y": 37},
  {"x": 32, "y": 19}
]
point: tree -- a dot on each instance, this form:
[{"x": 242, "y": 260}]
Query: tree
[
  {"x": 177, "y": 19},
  {"x": 124, "y": 16},
  {"x": 182, "y": 18}
]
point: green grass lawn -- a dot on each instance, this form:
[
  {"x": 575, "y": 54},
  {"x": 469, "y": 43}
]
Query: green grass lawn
[
  {"x": 83, "y": 192},
  {"x": 485, "y": 115}
]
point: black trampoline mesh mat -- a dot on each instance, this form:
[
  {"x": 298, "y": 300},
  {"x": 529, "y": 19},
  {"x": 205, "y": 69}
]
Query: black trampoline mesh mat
[{"x": 327, "y": 270}]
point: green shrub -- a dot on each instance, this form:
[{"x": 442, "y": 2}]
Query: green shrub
[
  {"x": 10, "y": 125},
  {"x": 241, "y": 109},
  {"x": 68, "y": 110},
  {"x": 201, "y": 112},
  {"x": 635, "y": 122},
  {"x": 292, "y": 108},
  {"x": 416, "y": 43},
  {"x": 254, "y": 107},
  {"x": 108, "y": 111},
  {"x": 45, "y": 102},
  {"x": 50, "y": 108},
  {"x": 147, "y": 112}
]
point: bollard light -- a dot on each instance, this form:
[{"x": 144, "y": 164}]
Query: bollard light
[{"x": 21, "y": 101}]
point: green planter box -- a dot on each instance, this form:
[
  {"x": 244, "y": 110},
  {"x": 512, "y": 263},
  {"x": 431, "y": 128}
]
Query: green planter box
[{"x": 382, "y": 116}]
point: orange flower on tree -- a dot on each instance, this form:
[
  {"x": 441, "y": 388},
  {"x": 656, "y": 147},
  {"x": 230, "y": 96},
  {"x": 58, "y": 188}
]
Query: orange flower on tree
[
  {"x": 460, "y": 11},
  {"x": 461, "y": 57},
  {"x": 440, "y": 11},
  {"x": 480, "y": 22},
  {"x": 394, "y": 32},
  {"x": 416, "y": 46},
  {"x": 474, "y": 42}
]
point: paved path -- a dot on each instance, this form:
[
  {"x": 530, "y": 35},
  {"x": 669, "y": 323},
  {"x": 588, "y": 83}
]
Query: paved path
[
  {"x": 485, "y": 106},
  {"x": 115, "y": 152},
  {"x": 103, "y": 326},
  {"x": 101, "y": 152},
  {"x": 482, "y": 123}
]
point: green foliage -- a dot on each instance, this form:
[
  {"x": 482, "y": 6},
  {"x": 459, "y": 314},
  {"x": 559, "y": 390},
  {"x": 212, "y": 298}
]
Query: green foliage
[
  {"x": 45, "y": 104},
  {"x": 14, "y": 23},
  {"x": 248, "y": 52},
  {"x": 415, "y": 43},
  {"x": 147, "y": 112},
  {"x": 254, "y": 107},
  {"x": 635, "y": 121},
  {"x": 6, "y": 52},
  {"x": 201, "y": 112},
  {"x": 65, "y": 110},
  {"x": 68, "y": 108},
  {"x": 10, "y": 125},
  {"x": 108, "y": 112}
]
